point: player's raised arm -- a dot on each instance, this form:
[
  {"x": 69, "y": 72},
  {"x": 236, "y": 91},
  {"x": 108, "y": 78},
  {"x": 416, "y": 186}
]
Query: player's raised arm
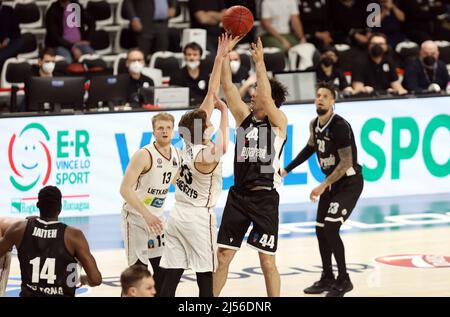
[
  {"x": 214, "y": 80},
  {"x": 238, "y": 108},
  {"x": 263, "y": 88}
]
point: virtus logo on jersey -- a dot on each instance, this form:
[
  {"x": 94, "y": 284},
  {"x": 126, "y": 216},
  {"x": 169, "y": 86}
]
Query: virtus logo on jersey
[{"x": 29, "y": 157}]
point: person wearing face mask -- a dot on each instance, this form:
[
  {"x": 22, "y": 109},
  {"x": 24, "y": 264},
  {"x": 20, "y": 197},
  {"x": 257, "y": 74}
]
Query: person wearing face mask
[
  {"x": 238, "y": 72},
  {"x": 10, "y": 39},
  {"x": 374, "y": 73},
  {"x": 193, "y": 75},
  {"x": 46, "y": 63},
  {"x": 135, "y": 63},
  {"x": 327, "y": 70},
  {"x": 427, "y": 73},
  {"x": 44, "y": 68}
]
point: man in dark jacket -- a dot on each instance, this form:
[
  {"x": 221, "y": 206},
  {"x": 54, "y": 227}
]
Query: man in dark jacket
[
  {"x": 149, "y": 21},
  {"x": 427, "y": 73},
  {"x": 10, "y": 40},
  {"x": 68, "y": 29}
]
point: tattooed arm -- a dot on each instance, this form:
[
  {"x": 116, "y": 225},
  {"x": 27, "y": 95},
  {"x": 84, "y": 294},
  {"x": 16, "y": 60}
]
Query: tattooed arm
[{"x": 346, "y": 161}]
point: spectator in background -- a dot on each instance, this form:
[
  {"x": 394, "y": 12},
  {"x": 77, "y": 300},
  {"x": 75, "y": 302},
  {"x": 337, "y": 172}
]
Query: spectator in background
[
  {"x": 316, "y": 22},
  {"x": 46, "y": 63},
  {"x": 149, "y": 19},
  {"x": 63, "y": 35},
  {"x": 327, "y": 71},
  {"x": 349, "y": 22},
  {"x": 240, "y": 76},
  {"x": 427, "y": 73},
  {"x": 10, "y": 39},
  {"x": 208, "y": 15},
  {"x": 238, "y": 72},
  {"x": 421, "y": 22},
  {"x": 137, "y": 281},
  {"x": 44, "y": 68},
  {"x": 375, "y": 74},
  {"x": 135, "y": 64},
  {"x": 194, "y": 75},
  {"x": 391, "y": 21},
  {"x": 277, "y": 19}
]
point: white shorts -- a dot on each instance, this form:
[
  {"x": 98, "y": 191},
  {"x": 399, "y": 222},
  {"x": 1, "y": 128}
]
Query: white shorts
[
  {"x": 5, "y": 262},
  {"x": 140, "y": 243},
  {"x": 191, "y": 239}
]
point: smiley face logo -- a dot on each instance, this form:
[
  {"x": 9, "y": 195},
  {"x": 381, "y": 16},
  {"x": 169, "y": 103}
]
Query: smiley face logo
[{"x": 29, "y": 157}]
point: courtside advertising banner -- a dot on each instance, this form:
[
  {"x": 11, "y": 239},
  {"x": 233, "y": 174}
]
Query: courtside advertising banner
[{"x": 403, "y": 146}]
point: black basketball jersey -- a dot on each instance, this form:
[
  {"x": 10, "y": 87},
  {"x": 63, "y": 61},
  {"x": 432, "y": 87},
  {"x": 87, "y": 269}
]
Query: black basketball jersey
[
  {"x": 257, "y": 154},
  {"x": 335, "y": 134},
  {"x": 46, "y": 266}
]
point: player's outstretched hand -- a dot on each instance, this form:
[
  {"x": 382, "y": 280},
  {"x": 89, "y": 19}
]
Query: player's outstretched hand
[
  {"x": 233, "y": 40},
  {"x": 257, "y": 51},
  {"x": 283, "y": 173},
  {"x": 154, "y": 223},
  {"x": 223, "y": 45}
]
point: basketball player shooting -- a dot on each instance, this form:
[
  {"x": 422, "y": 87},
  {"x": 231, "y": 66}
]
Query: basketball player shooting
[{"x": 260, "y": 137}]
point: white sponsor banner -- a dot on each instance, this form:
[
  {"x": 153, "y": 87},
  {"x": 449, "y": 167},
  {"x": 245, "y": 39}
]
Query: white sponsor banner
[{"x": 404, "y": 146}]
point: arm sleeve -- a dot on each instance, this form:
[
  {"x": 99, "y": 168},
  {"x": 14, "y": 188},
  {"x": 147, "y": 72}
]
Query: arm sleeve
[
  {"x": 411, "y": 79},
  {"x": 392, "y": 73},
  {"x": 294, "y": 8},
  {"x": 304, "y": 154},
  {"x": 358, "y": 73},
  {"x": 129, "y": 10},
  {"x": 265, "y": 10}
]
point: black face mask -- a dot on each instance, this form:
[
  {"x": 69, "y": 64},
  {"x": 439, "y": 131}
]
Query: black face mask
[
  {"x": 321, "y": 111},
  {"x": 429, "y": 61},
  {"x": 327, "y": 61},
  {"x": 376, "y": 50}
]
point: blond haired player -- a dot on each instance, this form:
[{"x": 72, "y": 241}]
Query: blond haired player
[{"x": 144, "y": 187}]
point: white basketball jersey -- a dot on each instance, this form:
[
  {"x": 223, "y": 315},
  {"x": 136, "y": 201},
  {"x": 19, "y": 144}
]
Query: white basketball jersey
[
  {"x": 153, "y": 186},
  {"x": 196, "y": 188}
]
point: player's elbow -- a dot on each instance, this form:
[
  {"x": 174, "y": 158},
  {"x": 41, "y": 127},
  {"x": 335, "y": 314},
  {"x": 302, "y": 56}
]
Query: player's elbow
[
  {"x": 96, "y": 280},
  {"x": 123, "y": 191}
]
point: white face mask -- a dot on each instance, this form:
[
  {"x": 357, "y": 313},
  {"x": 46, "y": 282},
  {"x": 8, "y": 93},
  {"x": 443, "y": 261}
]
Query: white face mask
[
  {"x": 48, "y": 67},
  {"x": 193, "y": 64},
  {"x": 235, "y": 66},
  {"x": 136, "y": 67}
]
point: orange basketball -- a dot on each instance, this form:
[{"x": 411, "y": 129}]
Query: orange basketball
[{"x": 237, "y": 20}]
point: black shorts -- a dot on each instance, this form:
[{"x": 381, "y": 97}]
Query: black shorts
[
  {"x": 244, "y": 207},
  {"x": 336, "y": 204}
]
